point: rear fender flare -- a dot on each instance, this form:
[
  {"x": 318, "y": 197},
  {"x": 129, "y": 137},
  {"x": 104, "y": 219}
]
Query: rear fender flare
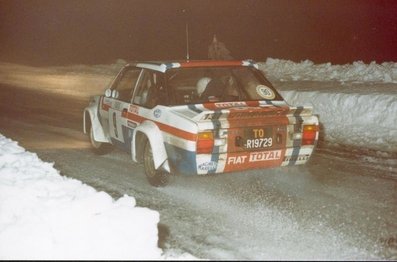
[{"x": 155, "y": 138}]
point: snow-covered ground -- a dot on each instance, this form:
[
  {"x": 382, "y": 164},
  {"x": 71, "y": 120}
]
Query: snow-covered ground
[{"x": 46, "y": 216}]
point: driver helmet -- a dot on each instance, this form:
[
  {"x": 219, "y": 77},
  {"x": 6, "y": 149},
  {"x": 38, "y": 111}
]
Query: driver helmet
[{"x": 202, "y": 84}]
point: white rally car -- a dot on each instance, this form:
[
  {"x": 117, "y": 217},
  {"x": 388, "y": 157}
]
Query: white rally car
[{"x": 198, "y": 118}]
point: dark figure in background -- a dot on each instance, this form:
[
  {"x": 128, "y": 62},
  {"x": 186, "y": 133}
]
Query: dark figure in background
[{"x": 218, "y": 51}]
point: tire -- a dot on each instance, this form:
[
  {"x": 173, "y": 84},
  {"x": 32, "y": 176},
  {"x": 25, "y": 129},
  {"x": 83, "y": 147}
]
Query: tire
[
  {"x": 157, "y": 178},
  {"x": 99, "y": 148}
]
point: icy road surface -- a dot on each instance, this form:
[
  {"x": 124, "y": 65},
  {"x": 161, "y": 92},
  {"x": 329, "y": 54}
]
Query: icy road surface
[{"x": 342, "y": 205}]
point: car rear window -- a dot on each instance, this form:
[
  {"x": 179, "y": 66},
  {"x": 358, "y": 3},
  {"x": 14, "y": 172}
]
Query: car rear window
[{"x": 218, "y": 84}]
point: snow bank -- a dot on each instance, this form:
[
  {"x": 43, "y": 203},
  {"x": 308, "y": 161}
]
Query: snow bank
[
  {"x": 285, "y": 70},
  {"x": 356, "y": 103},
  {"x": 44, "y": 215},
  {"x": 356, "y": 119}
]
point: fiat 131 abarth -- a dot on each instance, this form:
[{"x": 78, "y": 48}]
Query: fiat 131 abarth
[{"x": 199, "y": 118}]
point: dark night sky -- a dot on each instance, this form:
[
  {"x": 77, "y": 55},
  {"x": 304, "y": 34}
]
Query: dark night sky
[{"x": 61, "y": 32}]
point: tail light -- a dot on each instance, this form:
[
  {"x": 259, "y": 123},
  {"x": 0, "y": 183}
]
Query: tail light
[
  {"x": 205, "y": 142},
  {"x": 309, "y": 134}
]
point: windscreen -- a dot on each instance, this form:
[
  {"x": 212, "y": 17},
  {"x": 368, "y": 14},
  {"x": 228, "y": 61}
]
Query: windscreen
[{"x": 218, "y": 84}]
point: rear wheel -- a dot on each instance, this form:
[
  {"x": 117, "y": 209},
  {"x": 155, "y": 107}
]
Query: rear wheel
[
  {"x": 99, "y": 147},
  {"x": 155, "y": 177}
]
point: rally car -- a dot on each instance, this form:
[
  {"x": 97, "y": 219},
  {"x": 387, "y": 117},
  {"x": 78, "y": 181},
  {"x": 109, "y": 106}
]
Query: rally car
[{"x": 199, "y": 118}]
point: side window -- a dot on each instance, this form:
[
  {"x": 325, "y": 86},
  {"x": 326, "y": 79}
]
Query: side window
[
  {"x": 150, "y": 90},
  {"x": 126, "y": 84}
]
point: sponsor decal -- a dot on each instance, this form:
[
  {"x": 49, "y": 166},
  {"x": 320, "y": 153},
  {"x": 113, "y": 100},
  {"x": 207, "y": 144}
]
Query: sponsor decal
[
  {"x": 230, "y": 104},
  {"x": 297, "y": 158},
  {"x": 133, "y": 109},
  {"x": 254, "y": 157},
  {"x": 236, "y": 160},
  {"x": 265, "y": 92},
  {"x": 265, "y": 156},
  {"x": 157, "y": 113},
  {"x": 208, "y": 166}
]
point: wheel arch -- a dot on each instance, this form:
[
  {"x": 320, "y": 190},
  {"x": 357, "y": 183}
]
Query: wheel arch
[
  {"x": 149, "y": 131},
  {"x": 90, "y": 118}
]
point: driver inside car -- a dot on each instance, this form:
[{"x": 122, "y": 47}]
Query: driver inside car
[
  {"x": 210, "y": 90},
  {"x": 214, "y": 90}
]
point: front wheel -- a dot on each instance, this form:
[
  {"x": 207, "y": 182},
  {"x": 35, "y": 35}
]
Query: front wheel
[
  {"x": 155, "y": 177},
  {"x": 99, "y": 148}
]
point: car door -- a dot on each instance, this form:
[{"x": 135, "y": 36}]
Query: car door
[
  {"x": 119, "y": 103},
  {"x": 150, "y": 92}
]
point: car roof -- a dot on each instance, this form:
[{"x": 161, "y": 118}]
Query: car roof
[{"x": 163, "y": 66}]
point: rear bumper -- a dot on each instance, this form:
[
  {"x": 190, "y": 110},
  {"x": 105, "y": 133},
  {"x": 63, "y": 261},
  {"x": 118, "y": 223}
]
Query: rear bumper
[{"x": 189, "y": 163}]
